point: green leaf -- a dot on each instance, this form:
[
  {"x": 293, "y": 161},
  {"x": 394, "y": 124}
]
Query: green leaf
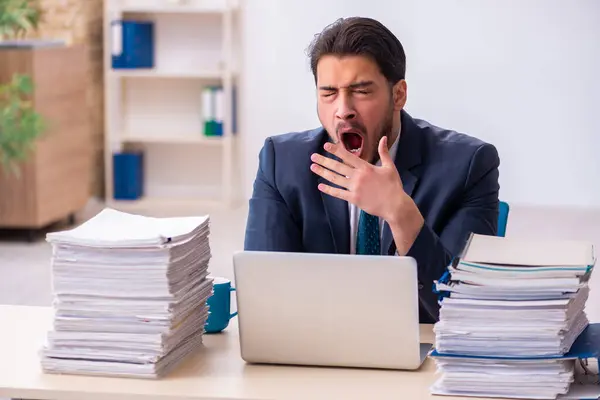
[
  {"x": 20, "y": 124},
  {"x": 19, "y": 17},
  {"x": 24, "y": 84}
]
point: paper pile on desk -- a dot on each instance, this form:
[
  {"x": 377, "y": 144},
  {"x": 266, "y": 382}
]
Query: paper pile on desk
[
  {"x": 130, "y": 294},
  {"x": 510, "y": 309}
]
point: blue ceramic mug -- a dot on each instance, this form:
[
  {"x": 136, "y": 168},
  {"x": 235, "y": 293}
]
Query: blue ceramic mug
[{"x": 219, "y": 306}]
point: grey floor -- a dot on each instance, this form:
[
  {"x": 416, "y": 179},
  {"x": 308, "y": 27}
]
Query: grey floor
[{"x": 25, "y": 267}]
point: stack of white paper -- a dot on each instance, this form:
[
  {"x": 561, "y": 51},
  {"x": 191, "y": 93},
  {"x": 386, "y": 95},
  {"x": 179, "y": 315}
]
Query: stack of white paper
[
  {"x": 130, "y": 294},
  {"x": 518, "y": 301},
  {"x": 526, "y": 379}
]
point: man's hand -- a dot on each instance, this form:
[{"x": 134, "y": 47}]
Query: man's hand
[{"x": 377, "y": 190}]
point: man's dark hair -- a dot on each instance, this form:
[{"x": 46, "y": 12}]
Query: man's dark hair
[{"x": 364, "y": 37}]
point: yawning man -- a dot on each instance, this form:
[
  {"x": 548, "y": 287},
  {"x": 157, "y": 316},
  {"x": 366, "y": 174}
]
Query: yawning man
[{"x": 372, "y": 180}]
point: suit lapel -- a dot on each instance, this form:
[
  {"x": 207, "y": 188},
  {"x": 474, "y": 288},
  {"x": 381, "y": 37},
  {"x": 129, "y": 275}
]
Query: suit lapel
[
  {"x": 339, "y": 220},
  {"x": 408, "y": 157},
  {"x": 336, "y": 211}
]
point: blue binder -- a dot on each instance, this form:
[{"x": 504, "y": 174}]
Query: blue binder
[
  {"x": 132, "y": 44},
  {"x": 128, "y": 175}
]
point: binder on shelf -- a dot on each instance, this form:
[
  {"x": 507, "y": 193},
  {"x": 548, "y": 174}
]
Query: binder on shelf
[
  {"x": 219, "y": 99},
  {"x": 208, "y": 111},
  {"x": 213, "y": 110},
  {"x": 234, "y": 125},
  {"x": 128, "y": 175},
  {"x": 132, "y": 44}
]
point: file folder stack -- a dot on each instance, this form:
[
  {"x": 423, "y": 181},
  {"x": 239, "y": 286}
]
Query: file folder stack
[
  {"x": 511, "y": 310},
  {"x": 130, "y": 295}
]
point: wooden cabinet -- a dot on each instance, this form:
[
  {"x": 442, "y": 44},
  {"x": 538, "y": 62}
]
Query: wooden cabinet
[{"x": 55, "y": 182}]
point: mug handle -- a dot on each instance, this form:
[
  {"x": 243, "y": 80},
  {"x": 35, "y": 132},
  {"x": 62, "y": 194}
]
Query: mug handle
[{"x": 232, "y": 289}]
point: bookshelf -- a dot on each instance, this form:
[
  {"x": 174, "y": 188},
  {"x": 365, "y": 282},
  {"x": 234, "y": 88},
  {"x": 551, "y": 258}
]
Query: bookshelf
[{"x": 160, "y": 110}]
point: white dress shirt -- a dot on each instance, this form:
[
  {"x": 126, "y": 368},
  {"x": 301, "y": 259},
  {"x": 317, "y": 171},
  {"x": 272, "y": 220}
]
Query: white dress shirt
[{"x": 355, "y": 211}]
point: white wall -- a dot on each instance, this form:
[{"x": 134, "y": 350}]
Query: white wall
[{"x": 522, "y": 74}]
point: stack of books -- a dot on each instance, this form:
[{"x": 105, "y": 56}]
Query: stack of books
[
  {"x": 511, "y": 311},
  {"x": 130, "y": 295}
]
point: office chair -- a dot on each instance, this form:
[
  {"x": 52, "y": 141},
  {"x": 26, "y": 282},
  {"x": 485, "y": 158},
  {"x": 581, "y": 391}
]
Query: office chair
[{"x": 502, "y": 218}]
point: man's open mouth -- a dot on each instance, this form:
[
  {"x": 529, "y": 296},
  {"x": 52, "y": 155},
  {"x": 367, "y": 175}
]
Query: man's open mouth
[{"x": 353, "y": 142}]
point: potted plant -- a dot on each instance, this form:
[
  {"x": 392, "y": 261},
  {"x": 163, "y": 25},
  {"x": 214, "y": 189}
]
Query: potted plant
[{"x": 20, "y": 124}]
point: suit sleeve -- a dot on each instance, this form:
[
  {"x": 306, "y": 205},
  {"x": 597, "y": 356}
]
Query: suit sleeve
[
  {"x": 270, "y": 225},
  {"x": 477, "y": 213}
]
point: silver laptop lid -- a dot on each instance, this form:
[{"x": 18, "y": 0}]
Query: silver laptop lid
[{"x": 328, "y": 310}]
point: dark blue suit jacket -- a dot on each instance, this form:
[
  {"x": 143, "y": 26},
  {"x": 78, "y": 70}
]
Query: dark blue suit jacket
[{"x": 452, "y": 177}]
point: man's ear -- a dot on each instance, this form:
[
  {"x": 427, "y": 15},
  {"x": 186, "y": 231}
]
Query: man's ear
[{"x": 399, "y": 94}]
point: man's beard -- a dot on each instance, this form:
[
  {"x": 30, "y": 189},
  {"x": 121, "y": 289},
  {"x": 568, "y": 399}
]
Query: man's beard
[{"x": 385, "y": 130}]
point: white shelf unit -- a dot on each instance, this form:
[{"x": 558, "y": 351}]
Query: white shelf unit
[{"x": 159, "y": 110}]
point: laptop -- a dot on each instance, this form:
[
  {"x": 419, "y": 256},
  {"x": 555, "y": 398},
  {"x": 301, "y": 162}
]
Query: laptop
[{"x": 328, "y": 310}]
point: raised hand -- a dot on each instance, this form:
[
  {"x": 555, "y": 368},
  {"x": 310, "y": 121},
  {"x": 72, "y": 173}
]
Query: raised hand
[{"x": 377, "y": 190}]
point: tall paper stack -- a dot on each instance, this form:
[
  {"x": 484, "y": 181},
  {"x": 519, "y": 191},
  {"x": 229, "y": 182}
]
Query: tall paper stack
[
  {"x": 130, "y": 295},
  {"x": 511, "y": 310}
]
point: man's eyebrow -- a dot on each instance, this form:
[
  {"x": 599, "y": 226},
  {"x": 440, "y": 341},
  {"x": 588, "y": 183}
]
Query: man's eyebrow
[
  {"x": 357, "y": 85},
  {"x": 328, "y": 88}
]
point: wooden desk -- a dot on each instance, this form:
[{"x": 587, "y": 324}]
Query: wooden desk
[{"x": 216, "y": 372}]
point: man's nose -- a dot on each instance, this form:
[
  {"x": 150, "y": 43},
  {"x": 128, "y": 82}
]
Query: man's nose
[{"x": 345, "y": 109}]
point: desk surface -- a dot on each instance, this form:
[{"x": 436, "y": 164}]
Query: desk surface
[{"x": 216, "y": 372}]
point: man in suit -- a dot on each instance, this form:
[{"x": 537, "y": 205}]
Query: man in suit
[{"x": 372, "y": 179}]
